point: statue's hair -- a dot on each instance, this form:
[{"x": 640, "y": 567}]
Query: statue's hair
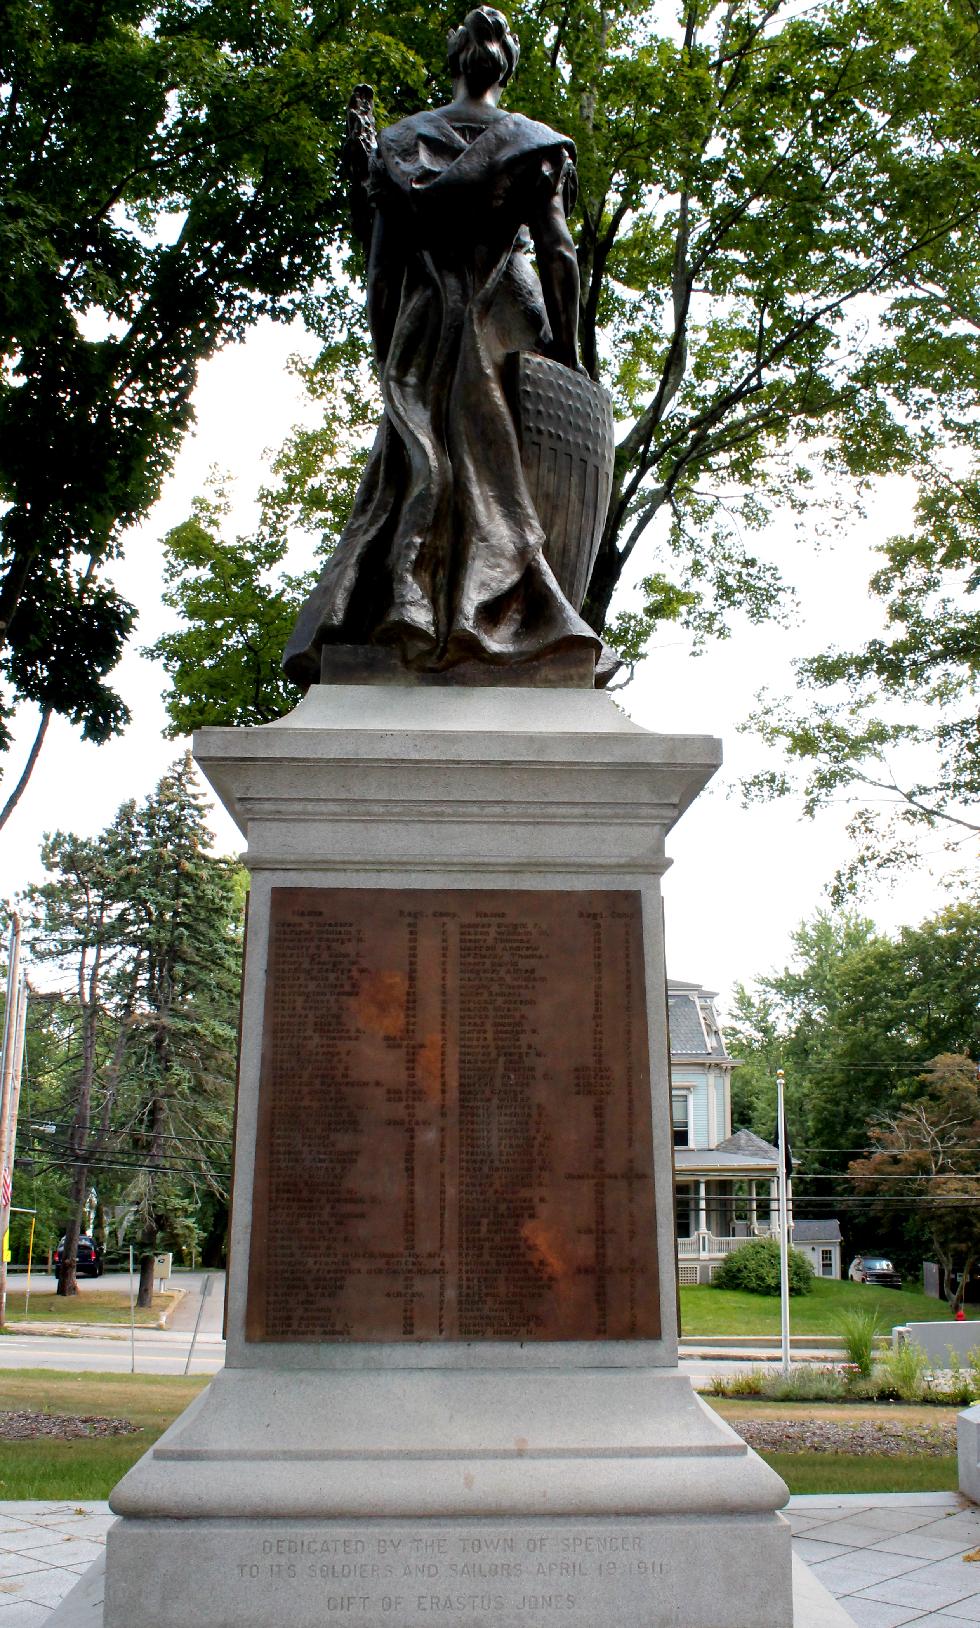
[{"x": 483, "y": 50}]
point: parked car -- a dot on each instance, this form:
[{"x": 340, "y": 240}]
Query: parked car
[
  {"x": 88, "y": 1258},
  {"x": 874, "y": 1269}
]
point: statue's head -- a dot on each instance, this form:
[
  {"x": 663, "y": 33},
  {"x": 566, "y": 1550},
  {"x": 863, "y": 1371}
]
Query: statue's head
[{"x": 483, "y": 51}]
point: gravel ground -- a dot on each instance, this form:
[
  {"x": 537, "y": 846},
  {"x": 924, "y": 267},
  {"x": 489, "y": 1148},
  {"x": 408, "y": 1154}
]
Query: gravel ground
[
  {"x": 27, "y": 1426},
  {"x": 864, "y": 1438}
]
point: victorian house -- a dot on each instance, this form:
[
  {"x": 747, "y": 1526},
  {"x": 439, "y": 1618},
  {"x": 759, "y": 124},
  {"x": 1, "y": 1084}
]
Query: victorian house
[{"x": 726, "y": 1183}]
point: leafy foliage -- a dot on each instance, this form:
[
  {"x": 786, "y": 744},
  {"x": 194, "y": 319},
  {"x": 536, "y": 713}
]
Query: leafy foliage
[
  {"x": 777, "y": 237},
  {"x": 934, "y": 1141},
  {"x": 897, "y": 737},
  {"x": 754, "y": 1267},
  {"x": 167, "y": 176},
  {"x": 852, "y": 1021},
  {"x": 142, "y": 926}
]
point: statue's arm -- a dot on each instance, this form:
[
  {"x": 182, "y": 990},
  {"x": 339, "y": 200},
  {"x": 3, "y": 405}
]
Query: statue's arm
[
  {"x": 386, "y": 271},
  {"x": 355, "y": 160},
  {"x": 558, "y": 270}
]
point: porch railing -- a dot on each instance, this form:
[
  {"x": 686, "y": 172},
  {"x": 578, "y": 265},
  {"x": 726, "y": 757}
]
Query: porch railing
[{"x": 704, "y": 1244}]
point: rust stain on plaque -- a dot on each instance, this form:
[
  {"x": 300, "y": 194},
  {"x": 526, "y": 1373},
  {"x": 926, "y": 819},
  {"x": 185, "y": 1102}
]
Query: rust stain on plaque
[{"x": 454, "y": 1137}]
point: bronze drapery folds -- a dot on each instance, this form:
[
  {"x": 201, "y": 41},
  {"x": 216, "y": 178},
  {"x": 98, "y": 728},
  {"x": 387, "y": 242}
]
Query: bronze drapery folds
[{"x": 444, "y": 560}]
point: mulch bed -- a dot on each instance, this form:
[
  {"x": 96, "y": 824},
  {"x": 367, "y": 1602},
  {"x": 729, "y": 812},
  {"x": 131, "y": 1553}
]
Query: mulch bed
[
  {"x": 28, "y": 1426},
  {"x": 865, "y": 1438}
]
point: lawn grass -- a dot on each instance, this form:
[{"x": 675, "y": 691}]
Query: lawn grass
[
  {"x": 839, "y": 1472},
  {"x": 706, "y": 1311},
  {"x": 846, "y": 1472},
  {"x": 86, "y": 1468},
  {"x": 88, "y": 1306}
]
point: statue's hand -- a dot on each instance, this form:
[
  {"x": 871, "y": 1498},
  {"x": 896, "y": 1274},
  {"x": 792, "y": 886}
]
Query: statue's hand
[{"x": 361, "y": 131}]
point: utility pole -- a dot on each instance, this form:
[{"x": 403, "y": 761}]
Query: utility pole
[
  {"x": 783, "y": 1221},
  {"x": 8, "y": 1125}
]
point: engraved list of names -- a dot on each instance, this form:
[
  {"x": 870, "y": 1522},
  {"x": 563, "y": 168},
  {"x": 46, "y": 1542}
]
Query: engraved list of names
[{"x": 454, "y": 1137}]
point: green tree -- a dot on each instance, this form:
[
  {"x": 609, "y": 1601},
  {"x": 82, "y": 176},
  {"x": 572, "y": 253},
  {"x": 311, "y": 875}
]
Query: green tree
[
  {"x": 166, "y": 178},
  {"x": 791, "y": 1020},
  {"x": 177, "y": 1085},
  {"x": 854, "y": 1021},
  {"x": 77, "y": 920},
  {"x": 925, "y": 1157},
  {"x": 897, "y": 735},
  {"x": 143, "y": 925},
  {"x": 777, "y": 237},
  {"x": 235, "y": 598}
]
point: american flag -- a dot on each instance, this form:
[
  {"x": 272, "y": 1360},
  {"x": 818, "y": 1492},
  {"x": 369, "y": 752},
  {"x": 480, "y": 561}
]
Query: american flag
[{"x": 5, "y": 1189}]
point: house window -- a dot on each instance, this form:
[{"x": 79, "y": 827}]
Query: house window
[
  {"x": 680, "y": 1104},
  {"x": 826, "y": 1263}
]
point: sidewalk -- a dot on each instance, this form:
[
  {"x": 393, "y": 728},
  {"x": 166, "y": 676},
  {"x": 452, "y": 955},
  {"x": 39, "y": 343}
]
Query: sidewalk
[{"x": 894, "y": 1560}]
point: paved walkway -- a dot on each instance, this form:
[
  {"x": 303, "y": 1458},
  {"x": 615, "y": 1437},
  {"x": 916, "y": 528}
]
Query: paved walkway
[
  {"x": 894, "y": 1560},
  {"x": 44, "y": 1548}
]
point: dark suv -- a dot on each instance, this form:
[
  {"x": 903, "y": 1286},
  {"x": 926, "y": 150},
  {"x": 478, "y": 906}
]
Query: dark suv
[{"x": 88, "y": 1259}]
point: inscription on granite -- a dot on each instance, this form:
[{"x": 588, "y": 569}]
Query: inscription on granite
[
  {"x": 551, "y": 1574},
  {"x": 454, "y": 1119}
]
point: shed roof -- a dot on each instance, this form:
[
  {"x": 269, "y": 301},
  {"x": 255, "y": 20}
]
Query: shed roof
[{"x": 826, "y": 1231}]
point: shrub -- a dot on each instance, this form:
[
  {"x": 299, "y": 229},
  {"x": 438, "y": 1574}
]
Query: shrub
[
  {"x": 754, "y": 1268},
  {"x": 746, "y": 1382},
  {"x": 873, "y": 1387},
  {"x": 805, "y": 1384},
  {"x": 858, "y": 1330},
  {"x": 962, "y": 1381},
  {"x": 906, "y": 1366}
]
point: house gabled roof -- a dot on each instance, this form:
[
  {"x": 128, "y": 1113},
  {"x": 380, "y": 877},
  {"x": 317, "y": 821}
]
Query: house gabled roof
[{"x": 748, "y": 1142}]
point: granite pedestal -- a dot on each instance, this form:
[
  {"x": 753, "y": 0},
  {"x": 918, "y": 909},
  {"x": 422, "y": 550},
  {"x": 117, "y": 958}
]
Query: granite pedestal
[{"x": 329, "y": 1479}]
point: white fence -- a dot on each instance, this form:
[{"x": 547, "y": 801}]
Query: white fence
[{"x": 704, "y": 1245}]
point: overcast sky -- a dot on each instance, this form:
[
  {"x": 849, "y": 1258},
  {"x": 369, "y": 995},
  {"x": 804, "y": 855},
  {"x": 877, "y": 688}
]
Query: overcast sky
[{"x": 741, "y": 880}]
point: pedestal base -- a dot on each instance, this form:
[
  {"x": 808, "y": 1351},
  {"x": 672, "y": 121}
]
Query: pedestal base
[
  {"x": 583, "y": 1499},
  {"x": 813, "y": 1606}
]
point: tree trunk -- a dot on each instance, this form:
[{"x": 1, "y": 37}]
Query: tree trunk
[
  {"x": 145, "y": 1296},
  {"x": 67, "y": 1274}
]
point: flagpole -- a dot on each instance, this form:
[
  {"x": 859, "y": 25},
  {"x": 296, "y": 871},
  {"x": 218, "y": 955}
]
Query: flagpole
[
  {"x": 6, "y": 1082},
  {"x": 783, "y": 1221}
]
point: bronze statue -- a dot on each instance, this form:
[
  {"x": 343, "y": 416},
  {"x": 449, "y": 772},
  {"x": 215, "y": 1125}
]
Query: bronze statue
[{"x": 443, "y": 560}]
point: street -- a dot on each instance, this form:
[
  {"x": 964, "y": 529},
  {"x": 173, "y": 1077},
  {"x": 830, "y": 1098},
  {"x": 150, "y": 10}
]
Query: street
[
  {"x": 108, "y": 1349},
  {"x": 157, "y": 1352}
]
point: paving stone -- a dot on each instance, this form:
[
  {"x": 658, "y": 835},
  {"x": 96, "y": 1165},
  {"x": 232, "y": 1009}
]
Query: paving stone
[
  {"x": 12, "y": 1565},
  {"x": 48, "y": 1588},
  {"x": 935, "y": 1619},
  {"x": 965, "y": 1610},
  {"x": 814, "y": 1552},
  {"x": 857, "y": 1569},
  {"x": 931, "y": 1588},
  {"x": 23, "y": 1615},
  {"x": 875, "y": 1614},
  {"x": 853, "y": 1534},
  {"x": 902, "y": 1520},
  {"x": 798, "y": 1523},
  {"x": 68, "y": 1552},
  {"x": 928, "y": 1544}
]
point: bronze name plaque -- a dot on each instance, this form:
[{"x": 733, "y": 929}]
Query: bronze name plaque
[{"x": 454, "y": 1137}]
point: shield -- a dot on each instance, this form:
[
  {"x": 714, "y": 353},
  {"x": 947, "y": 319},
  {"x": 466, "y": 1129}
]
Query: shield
[{"x": 565, "y": 425}]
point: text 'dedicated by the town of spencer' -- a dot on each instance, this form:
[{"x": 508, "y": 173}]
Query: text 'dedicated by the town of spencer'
[{"x": 454, "y": 1137}]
